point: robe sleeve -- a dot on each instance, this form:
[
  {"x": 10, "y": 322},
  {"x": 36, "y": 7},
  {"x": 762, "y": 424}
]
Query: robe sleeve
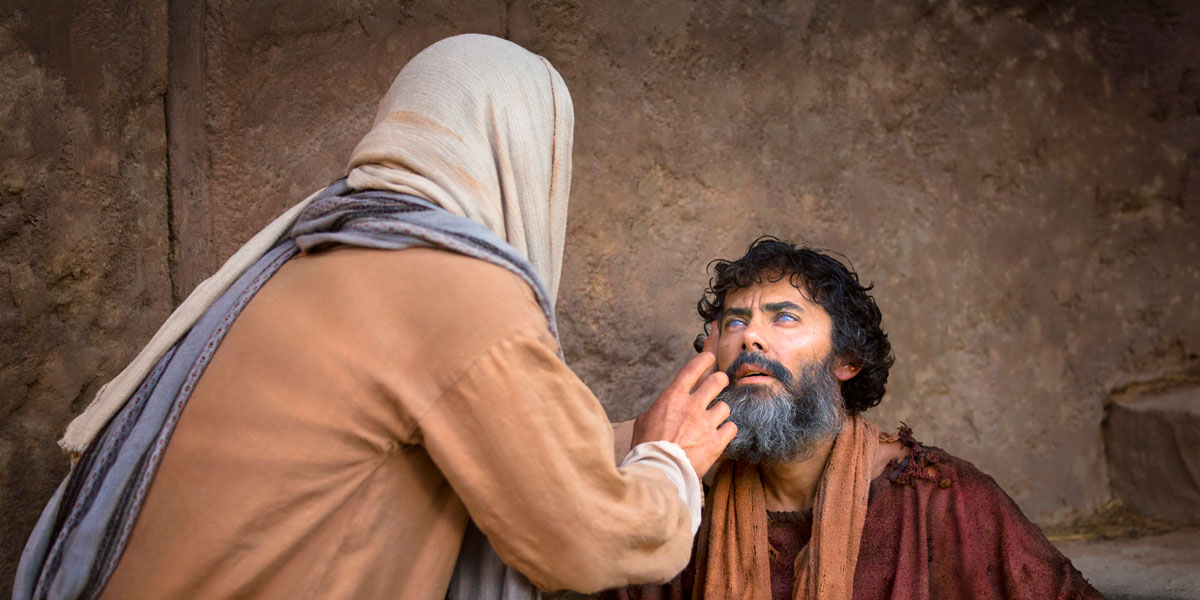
[
  {"x": 985, "y": 547},
  {"x": 943, "y": 529},
  {"x": 528, "y": 449}
]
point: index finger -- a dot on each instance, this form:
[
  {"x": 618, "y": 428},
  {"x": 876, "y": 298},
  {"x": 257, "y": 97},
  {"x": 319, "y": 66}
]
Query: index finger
[
  {"x": 710, "y": 346},
  {"x": 700, "y": 366},
  {"x": 714, "y": 333}
]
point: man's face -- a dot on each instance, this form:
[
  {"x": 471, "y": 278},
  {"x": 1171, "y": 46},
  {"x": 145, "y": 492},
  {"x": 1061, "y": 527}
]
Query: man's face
[
  {"x": 784, "y": 392},
  {"x": 775, "y": 320}
]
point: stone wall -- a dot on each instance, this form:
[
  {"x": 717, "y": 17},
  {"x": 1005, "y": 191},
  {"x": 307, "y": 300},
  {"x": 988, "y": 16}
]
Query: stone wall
[
  {"x": 83, "y": 226},
  {"x": 1021, "y": 182}
]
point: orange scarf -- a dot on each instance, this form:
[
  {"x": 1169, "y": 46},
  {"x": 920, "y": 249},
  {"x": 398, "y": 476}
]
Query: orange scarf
[{"x": 732, "y": 552}]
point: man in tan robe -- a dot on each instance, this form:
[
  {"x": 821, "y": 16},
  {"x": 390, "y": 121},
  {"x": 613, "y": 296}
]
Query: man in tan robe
[{"x": 367, "y": 402}]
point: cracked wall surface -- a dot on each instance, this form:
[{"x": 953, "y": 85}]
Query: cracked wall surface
[{"x": 1021, "y": 181}]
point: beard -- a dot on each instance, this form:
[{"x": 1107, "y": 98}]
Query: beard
[{"x": 785, "y": 423}]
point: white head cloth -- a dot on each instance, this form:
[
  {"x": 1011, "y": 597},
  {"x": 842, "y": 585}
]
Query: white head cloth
[
  {"x": 492, "y": 143},
  {"x": 475, "y": 124}
]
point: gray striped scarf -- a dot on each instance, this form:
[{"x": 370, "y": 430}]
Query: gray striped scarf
[{"x": 82, "y": 532}]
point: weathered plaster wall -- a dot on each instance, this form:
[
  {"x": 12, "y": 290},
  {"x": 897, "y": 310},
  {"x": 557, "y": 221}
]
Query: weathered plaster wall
[
  {"x": 83, "y": 246},
  {"x": 1023, "y": 187},
  {"x": 1021, "y": 182},
  {"x": 277, "y": 95}
]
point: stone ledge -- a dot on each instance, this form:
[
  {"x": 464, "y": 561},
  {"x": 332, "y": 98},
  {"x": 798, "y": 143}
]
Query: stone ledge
[{"x": 1153, "y": 445}]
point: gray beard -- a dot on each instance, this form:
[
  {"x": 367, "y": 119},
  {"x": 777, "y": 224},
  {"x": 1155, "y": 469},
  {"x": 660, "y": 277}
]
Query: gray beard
[{"x": 784, "y": 425}]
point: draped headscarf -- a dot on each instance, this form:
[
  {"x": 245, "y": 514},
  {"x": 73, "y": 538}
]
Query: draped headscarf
[
  {"x": 492, "y": 143},
  {"x": 470, "y": 152},
  {"x": 475, "y": 124}
]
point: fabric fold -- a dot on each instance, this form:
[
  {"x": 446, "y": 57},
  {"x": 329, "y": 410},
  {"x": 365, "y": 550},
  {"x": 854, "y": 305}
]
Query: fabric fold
[
  {"x": 112, "y": 395},
  {"x": 669, "y": 458},
  {"x": 470, "y": 151},
  {"x": 83, "y": 530},
  {"x": 733, "y": 553}
]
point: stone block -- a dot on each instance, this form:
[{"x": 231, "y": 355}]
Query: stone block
[{"x": 1153, "y": 443}]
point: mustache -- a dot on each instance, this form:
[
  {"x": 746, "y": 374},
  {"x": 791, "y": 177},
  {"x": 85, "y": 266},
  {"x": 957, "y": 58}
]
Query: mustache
[
  {"x": 777, "y": 370},
  {"x": 781, "y": 425}
]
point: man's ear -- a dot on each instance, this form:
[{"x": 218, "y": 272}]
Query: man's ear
[{"x": 845, "y": 371}]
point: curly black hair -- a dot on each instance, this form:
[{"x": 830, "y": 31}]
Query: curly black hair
[{"x": 858, "y": 337}]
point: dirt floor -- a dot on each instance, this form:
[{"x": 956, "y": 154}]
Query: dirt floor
[{"x": 1157, "y": 567}]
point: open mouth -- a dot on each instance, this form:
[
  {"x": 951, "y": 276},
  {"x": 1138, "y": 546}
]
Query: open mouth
[
  {"x": 753, "y": 368},
  {"x": 753, "y": 374}
]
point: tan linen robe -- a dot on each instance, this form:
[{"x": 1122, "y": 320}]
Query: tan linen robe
[{"x": 360, "y": 407}]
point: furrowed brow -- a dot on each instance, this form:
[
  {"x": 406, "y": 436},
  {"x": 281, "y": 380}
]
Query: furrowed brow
[
  {"x": 774, "y": 307},
  {"x": 735, "y": 312}
]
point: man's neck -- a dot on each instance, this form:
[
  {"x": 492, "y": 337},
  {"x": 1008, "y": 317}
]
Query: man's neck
[{"x": 791, "y": 486}]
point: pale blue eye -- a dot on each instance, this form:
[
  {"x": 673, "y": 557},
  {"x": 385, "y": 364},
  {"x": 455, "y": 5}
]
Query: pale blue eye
[
  {"x": 734, "y": 323},
  {"x": 787, "y": 318}
]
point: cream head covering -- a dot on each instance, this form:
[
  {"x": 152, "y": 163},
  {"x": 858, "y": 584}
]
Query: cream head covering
[
  {"x": 475, "y": 124},
  {"x": 483, "y": 128}
]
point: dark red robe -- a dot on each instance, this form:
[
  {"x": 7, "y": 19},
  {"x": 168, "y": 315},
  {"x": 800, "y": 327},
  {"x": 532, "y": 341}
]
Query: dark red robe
[{"x": 936, "y": 528}]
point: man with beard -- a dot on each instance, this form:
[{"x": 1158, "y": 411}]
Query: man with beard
[{"x": 814, "y": 501}]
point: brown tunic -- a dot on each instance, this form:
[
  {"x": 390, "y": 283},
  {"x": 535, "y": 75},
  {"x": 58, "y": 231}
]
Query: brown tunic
[
  {"x": 359, "y": 409},
  {"x": 787, "y": 533},
  {"x": 936, "y": 527}
]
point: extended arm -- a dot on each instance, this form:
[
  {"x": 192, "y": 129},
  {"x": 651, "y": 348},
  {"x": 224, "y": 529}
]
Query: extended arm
[{"x": 529, "y": 450}]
